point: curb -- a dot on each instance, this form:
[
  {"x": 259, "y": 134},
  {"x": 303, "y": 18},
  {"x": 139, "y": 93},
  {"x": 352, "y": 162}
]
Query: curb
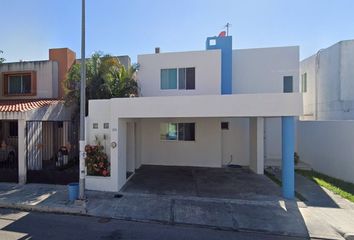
[
  {"x": 222, "y": 228},
  {"x": 48, "y": 209}
]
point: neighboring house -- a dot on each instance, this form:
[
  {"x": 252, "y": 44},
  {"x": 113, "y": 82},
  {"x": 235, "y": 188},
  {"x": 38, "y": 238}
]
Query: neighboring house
[
  {"x": 327, "y": 83},
  {"x": 202, "y": 108},
  {"x": 34, "y": 123},
  {"x": 326, "y": 132}
]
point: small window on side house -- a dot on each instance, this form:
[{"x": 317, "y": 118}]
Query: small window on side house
[
  {"x": 304, "y": 82},
  {"x": 95, "y": 125},
  {"x": 106, "y": 125}
]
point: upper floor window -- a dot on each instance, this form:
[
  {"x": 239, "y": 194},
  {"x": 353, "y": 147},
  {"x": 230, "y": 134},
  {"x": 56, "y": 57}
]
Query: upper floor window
[
  {"x": 288, "y": 84},
  {"x": 22, "y": 83},
  {"x": 185, "y": 77},
  {"x": 304, "y": 82},
  {"x": 169, "y": 78}
]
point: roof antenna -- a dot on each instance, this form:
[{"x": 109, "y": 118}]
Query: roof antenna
[{"x": 227, "y": 26}]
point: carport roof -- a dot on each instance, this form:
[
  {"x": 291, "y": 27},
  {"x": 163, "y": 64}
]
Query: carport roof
[{"x": 25, "y": 105}]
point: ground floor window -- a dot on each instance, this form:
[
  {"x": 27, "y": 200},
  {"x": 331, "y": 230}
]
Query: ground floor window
[{"x": 177, "y": 131}]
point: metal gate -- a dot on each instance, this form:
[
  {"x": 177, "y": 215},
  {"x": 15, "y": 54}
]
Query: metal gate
[{"x": 51, "y": 152}]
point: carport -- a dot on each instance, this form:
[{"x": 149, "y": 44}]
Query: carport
[
  {"x": 235, "y": 183},
  {"x": 119, "y": 125}
]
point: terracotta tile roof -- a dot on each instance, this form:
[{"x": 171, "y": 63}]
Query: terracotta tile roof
[{"x": 25, "y": 105}]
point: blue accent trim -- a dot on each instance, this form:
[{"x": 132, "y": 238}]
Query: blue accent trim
[
  {"x": 225, "y": 44},
  {"x": 288, "y": 143}
]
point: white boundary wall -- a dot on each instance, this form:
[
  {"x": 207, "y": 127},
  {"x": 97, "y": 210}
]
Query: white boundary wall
[{"x": 328, "y": 146}]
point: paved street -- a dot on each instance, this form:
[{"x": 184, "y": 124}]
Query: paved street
[{"x": 33, "y": 225}]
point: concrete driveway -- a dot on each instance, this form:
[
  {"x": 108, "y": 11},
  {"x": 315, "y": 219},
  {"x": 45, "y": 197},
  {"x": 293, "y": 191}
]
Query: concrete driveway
[
  {"x": 222, "y": 198},
  {"x": 229, "y": 183}
]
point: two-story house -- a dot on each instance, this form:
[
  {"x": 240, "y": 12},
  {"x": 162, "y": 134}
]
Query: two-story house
[
  {"x": 206, "y": 108},
  {"x": 34, "y": 123},
  {"x": 327, "y": 83}
]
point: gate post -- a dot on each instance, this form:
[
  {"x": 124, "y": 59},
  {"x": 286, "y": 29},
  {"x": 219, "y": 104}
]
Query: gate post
[{"x": 22, "y": 165}]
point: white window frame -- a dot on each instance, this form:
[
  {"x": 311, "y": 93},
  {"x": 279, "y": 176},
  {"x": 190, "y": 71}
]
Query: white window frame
[
  {"x": 185, "y": 79},
  {"x": 177, "y": 135}
]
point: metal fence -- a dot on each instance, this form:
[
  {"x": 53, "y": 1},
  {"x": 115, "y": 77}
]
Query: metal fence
[{"x": 51, "y": 150}]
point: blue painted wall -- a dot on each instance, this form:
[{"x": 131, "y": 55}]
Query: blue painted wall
[{"x": 225, "y": 44}]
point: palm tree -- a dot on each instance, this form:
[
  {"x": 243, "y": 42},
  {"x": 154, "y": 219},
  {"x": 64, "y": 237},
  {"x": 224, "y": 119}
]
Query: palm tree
[{"x": 106, "y": 78}]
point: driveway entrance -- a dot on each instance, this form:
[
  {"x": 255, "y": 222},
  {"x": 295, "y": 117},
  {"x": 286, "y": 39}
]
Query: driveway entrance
[{"x": 235, "y": 183}]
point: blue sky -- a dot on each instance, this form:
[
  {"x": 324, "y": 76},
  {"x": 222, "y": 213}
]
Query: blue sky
[{"x": 30, "y": 27}]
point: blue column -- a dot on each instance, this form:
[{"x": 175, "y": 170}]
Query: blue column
[
  {"x": 225, "y": 45},
  {"x": 288, "y": 142}
]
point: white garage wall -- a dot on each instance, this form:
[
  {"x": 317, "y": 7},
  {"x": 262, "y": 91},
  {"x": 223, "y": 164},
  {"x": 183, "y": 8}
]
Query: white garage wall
[
  {"x": 272, "y": 135},
  {"x": 205, "y": 151},
  {"x": 235, "y": 142},
  {"x": 328, "y": 147}
]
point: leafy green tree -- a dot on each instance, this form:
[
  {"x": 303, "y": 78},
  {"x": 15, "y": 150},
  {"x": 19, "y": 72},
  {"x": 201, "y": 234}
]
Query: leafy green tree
[{"x": 106, "y": 78}]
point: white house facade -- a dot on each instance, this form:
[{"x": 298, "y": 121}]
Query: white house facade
[
  {"x": 325, "y": 131},
  {"x": 208, "y": 108}
]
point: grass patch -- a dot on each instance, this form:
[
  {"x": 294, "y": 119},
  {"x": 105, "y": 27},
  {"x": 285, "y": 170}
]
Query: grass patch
[
  {"x": 340, "y": 187},
  {"x": 277, "y": 181}
]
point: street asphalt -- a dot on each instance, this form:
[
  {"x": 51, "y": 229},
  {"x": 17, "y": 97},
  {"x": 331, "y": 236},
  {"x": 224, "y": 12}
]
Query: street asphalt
[{"x": 34, "y": 225}]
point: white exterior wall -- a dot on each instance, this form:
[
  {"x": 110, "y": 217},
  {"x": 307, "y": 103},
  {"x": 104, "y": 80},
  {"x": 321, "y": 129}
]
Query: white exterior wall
[
  {"x": 207, "y": 72},
  {"x": 46, "y": 75},
  {"x": 261, "y": 70},
  {"x": 205, "y": 151},
  {"x": 235, "y": 142},
  {"x": 328, "y": 147},
  {"x": 330, "y": 83},
  {"x": 273, "y": 139},
  {"x": 101, "y": 115},
  {"x": 256, "y": 132},
  {"x": 308, "y": 67}
]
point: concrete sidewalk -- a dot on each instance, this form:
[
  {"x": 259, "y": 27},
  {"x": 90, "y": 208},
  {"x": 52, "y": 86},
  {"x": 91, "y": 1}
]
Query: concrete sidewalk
[
  {"x": 276, "y": 217},
  {"x": 39, "y": 197},
  {"x": 280, "y": 217},
  {"x": 327, "y": 215}
]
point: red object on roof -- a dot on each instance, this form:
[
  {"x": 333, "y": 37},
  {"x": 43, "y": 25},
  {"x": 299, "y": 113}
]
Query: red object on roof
[
  {"x": 25, "y": 105},
  {"x": 222, "y": 34}
]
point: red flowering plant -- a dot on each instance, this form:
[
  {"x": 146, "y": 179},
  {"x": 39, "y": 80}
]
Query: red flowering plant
[{"x": 97, "y": 161}]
